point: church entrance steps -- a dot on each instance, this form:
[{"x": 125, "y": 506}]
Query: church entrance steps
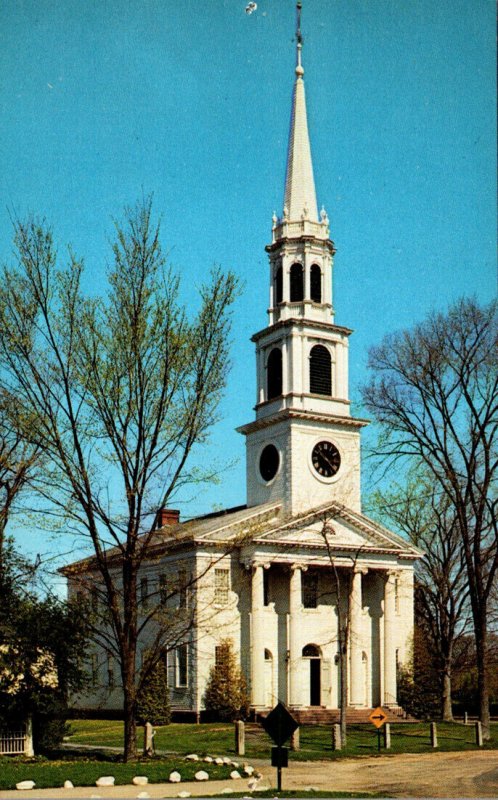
[{"x": 329, "y": 716}]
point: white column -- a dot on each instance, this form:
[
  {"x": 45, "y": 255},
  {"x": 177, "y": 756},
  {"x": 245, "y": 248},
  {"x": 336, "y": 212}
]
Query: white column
[
  {"x": 356, "y": 683},
  {"x": 295, "y": 605},
  {"x": 389, "y": 641},
  {"x": 257, "y": 638}
]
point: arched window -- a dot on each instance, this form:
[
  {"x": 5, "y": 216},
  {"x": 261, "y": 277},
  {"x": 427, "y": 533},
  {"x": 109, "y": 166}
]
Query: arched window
[
  {"x": 316, "y": 283},
  {"x": 278, "y": 286},
  {"x": 311, "y": 651},
  {"x": 296, "y": 283},
  {"x": 274, "y": 373},
  {"x": 320, "y": 370}
]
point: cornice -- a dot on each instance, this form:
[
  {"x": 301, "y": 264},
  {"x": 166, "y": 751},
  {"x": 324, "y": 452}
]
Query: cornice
[
  {"x": 294, "y": 322},
  {"x": 311, "y": 416}
]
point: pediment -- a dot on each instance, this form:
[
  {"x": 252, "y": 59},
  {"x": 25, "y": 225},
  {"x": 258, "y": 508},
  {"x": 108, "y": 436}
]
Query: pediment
[{"x": 338, "y": 528}]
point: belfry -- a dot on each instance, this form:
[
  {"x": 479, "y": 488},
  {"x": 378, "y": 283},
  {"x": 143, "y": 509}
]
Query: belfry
[{"x": 282, "y": 577}]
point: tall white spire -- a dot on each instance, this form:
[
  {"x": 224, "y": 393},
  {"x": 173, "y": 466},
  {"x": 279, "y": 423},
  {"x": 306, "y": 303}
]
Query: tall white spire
[{"x": 300, "y": 195}]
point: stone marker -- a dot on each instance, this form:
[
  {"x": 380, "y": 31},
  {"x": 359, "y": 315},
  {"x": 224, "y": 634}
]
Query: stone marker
[
  {"x": 184, "y": 794},
  {"x": 479, "y": 739},
  {"x": 201, "y": 775},
  {"x": 106, "y": 780},
  {"x": 240, "y": 738},
  {"x": 336, "y": 737},
  {"x": 235, "y": 775},
  {"x": 465, "y": 718},
  {"x": 174, "y": 777},
  {"x": 387, "y": 735},
  {"x": 68, "y": 785},
  {"x": 294, "y": 740},
  {"x": 433, "y": 734},
  {"x": 25, "y": 785},
  {"x": 192, "y": 757},
  {"x": 140, "y": 780},
  {"x": 148, "y": 739}
]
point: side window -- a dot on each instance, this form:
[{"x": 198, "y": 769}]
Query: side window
[
  {"x": 163, "y": 589},
  {"x": 320, "y": 371},
  {"x": 296, "y": 283},
  {"x": 316, "y": 283},
  {"x": 279, "y": 289},
  {"x": 221, "y": 586},
  {"x": 182, "y": 588},
  {"x": 274, "y": 376},
  {"x": 310, "y": 590},
  {"x": 144, "y": 593},
  {"x": 182, "y": 666}
]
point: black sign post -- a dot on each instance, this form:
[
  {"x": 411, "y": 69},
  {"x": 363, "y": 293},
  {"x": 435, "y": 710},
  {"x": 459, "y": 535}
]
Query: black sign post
[{"x": 280, "y": 725}]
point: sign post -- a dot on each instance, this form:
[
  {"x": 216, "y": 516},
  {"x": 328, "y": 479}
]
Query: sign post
[
  {"x": 378, "y": 717},
  {"x": 280, "y": 725}
]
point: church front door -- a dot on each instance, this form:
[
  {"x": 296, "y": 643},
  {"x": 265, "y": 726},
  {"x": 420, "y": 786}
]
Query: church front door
[{"x": 315, "y": 681}]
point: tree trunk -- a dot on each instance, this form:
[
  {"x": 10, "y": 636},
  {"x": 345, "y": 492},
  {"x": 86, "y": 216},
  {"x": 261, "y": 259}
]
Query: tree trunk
[
  {"x": 446, "y": 707},
  {"x": 482, "y": 674},
  {"x": 343, "y": 667},
  {"x": 129, "y": 708}
]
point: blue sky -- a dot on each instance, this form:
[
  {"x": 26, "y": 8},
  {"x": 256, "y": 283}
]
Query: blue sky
[{"x": 104, "y": 100}]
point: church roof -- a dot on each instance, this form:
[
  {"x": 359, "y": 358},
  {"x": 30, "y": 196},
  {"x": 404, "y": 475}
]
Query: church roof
[{"x": 265, "y": 525}]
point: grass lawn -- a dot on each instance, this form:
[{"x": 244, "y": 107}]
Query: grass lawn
[
  {"x": 85, "y": 771},
  {"x": 218, "y": 739}
]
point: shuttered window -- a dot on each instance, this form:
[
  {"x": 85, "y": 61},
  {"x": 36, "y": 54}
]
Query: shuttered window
[{"x": 320, "y": 371}]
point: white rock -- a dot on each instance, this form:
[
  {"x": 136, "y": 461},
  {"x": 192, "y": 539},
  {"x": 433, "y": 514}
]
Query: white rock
[
  {"x": 183, "y": 794},
  {"x": 208, "y": 760},
  {"x": 235, "y": 764},
  {"x": 227, "y": 790},
  {"x": 68, "y": 785},
  {"x": 227, "y": 760},
  {"x": 248, "y": 769},
  {"x": 218, "y": 760},
  {"x": 201, "y": 775},
  {"x": 140, "y": 780},
  {"x": 192, "y": 757},
  {"x": 106, "y": 780},
  {"x": 143, "y": 796},
  {"x": 174, "y": 777},
  {"x": 95, "y": 797},
  {"x": 24, "y": 785},
  {"x": 234, "y": 774}
]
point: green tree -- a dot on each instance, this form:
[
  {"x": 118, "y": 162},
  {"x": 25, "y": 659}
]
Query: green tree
[
  {"x": 434, "y": 391},
  {"x": 42, "y": 644},
  {"x": 226, "y": 696},
  {"x": 117, "y": 391},
  {"x": 153, "y": 697}
]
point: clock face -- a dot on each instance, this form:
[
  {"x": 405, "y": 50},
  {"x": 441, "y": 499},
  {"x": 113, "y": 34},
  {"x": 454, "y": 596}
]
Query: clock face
[
  {"x": 268, "y": 462},
  {"x": 326, "y": 459}
]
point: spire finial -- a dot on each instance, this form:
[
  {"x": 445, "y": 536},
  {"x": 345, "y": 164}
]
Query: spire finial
[{"x": 299, "y": 39}]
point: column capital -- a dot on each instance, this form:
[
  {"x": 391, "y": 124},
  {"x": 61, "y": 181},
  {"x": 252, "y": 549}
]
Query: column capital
[
  {"x": 302, "y": 567},
  {"x": 360, "y": 569}
]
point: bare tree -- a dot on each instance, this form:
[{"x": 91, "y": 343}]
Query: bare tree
[
  {"x": 435, "y": 393},
  {"x": 118, "y": 390},
  {"x": 442, "y": 598},
  {"x": 17, "y": 460}
]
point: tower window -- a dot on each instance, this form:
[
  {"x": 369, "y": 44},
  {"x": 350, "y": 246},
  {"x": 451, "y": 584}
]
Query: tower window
[
  {"x": 279, "y": 286},
  {"x": 316, "y": 284},
  {"x": 274, "y": 373},
  {"x": 320, "y": 370},
  {"x": 296, "y": 283}
]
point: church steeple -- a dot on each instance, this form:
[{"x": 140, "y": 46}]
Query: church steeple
[
  {"x": 299, "y": 195},
  {"x": 303, "y": 447}
]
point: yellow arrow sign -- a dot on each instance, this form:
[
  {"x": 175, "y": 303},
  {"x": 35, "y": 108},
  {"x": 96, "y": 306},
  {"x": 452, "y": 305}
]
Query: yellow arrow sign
[{"x": 378, "y": 717}]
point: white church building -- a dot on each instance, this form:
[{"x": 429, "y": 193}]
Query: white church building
[{"x": 271, "y": 575}]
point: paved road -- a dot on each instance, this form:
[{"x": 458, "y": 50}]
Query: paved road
[{"x": 449, "y": 775}]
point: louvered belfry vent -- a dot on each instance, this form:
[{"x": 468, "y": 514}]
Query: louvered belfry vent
[{"x": 320, "y": 371}]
